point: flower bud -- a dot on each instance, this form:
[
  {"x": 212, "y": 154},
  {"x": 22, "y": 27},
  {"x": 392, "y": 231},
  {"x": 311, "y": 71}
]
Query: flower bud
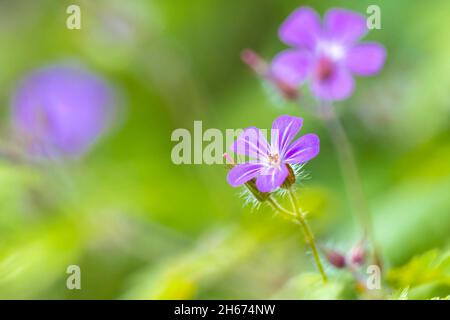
[
  {"x": 357, "y": 254},
  {"x": 229, "y": 161},
  {"x": 262, "y": 68},
  {"x": 254, "y": 61},
  {"x": 335, "y": 258}
]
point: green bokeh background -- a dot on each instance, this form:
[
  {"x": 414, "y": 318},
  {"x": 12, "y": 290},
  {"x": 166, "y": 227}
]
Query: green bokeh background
[{"x": 141, "y": 227}]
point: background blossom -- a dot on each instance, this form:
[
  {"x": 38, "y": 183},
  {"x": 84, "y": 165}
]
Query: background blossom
[
  {"x": 61, "y": 110},
  {"x": 326, "y": 55}
]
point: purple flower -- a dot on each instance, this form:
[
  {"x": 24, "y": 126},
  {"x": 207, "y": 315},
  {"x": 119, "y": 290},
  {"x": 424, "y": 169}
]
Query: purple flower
[
  {"x": 326, "y": 55},
  {"x": 61, "y": 110},
  {"x": 268, "y": 164}
]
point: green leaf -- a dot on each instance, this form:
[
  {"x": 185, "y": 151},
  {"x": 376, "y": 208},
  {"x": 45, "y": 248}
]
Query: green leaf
[{"x": 424, "y": 274}]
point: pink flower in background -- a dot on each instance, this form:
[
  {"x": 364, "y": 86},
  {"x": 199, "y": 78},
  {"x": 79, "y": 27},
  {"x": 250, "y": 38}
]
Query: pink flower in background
[
  {"x": 326, "y": 55},
  {"x": 61, "y": 110},
  {"x": 268, "y": 164}
]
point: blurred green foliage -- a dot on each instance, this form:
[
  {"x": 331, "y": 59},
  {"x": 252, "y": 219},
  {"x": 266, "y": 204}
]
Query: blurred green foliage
[{"x": 141, "y": 227}]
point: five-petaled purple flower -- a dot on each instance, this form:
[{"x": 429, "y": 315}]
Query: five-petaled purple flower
[
  {"x": 326, "y": 55},
  {"x": 269, "y": 161},
  {"x": 61, "y": 110}
]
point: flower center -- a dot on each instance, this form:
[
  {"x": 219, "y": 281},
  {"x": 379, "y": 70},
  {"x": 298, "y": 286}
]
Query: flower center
[
  {"x": 324, "y": 69},
  {"x": 332, "y": 50},
  {"x": 274, "y": 159}
]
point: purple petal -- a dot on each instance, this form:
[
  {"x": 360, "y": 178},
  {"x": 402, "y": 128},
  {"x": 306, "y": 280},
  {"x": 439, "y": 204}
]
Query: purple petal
[
  {"x": 242, "y": 173},
  {"x": 284, "y": 129},
  {"x": 303, "y": 149},
  {"x": 366, "y": 59},
  {"x": 251, "y": 142},
  {"x": 291, "y": 66},
  {"x": 338, "y": 86},
  {"x": 344, "y": 25},
  {"x": 301, "y": 28},
  {"x": 271, "y": 178}
]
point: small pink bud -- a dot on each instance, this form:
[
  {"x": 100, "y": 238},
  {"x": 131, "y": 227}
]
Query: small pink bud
[
  {"x": 335, "y": 258},
  {"x": 357, "y": 254},
  {"x": 228, "y": 158},
  {"x": 254, "y": 61},
  {"x": 261, "y": 67}
]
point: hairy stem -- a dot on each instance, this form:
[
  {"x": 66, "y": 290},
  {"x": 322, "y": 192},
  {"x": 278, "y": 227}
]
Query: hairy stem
[
  {"x": 282, "y": 211},
  {"x": 307, "y": 232},
  {"x": 350, "y": 174}
]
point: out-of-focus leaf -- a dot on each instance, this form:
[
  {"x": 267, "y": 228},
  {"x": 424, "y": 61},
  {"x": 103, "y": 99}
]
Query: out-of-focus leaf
[
  {"x": 438, "y": 298},
  {"x": 432, "y": 267},
  {"x": 214, "y": 255},
  {"x": 33, "y": 261},
  {"x": 310, "y": 286}
]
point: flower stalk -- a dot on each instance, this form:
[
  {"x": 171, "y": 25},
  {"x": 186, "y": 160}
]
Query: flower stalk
[
  {"x": 297, "y": 216},
  {"x": 307, "y": 232},
  {"x": 350, "y": 174}
]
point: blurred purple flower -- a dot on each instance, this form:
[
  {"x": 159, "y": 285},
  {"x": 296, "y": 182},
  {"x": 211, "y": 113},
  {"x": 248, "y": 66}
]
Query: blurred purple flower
[
  {"x": 326, "y": 55},
  {"x": 268, "y": 165},
  {"x": 61, "y": 110}
]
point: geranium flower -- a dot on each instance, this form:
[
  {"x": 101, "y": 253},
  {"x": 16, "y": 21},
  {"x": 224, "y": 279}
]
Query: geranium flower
[
  {"x": 61, "y": 110},
  {"x": 269, "y": 161},
  {"x": 326, "y": 55}
]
